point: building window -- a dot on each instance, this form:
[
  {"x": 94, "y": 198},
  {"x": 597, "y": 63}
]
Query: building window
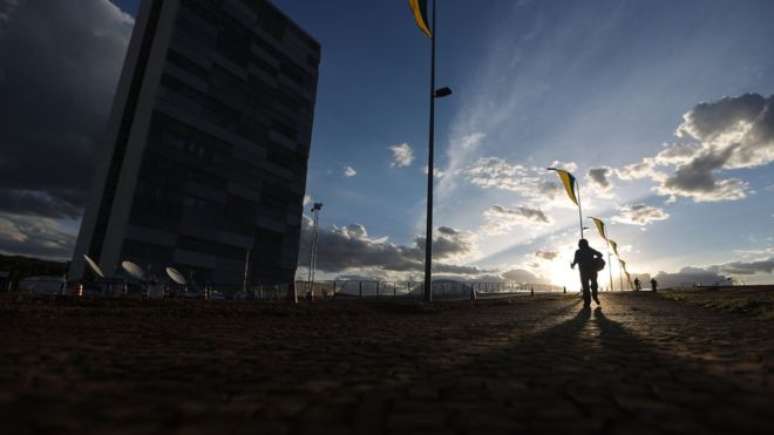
[{"x": 179, "y": 60}]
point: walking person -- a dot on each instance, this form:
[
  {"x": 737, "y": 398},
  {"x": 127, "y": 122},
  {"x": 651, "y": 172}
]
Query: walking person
[
  {"x": 654, "y": 285},
  {"x": 589, "y": 261},
  {"x": 637, "y": 286}
]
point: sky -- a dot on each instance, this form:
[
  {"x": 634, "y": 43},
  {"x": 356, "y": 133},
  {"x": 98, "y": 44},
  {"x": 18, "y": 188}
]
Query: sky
[{"x": 663, "y": 110}]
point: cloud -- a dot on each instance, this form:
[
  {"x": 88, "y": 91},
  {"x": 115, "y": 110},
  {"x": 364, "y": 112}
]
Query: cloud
[
  {"x": 717, "y": 274},
  {"x": 523, "y": 276},
  {"x": 546, "y": 255},
  {"x": 567, "y": 166},
  {"x": 350, "y": 250},
  {"x": 696, "y": 179},
  {"x": 437, "y": 173},
  {"x": 499, "y": 220},
  {"x": 535, "y": 184},
  {"x": 600, "y": 177},
  {"x": 57, "y": 91},
  {"x": 730, "y": 133},
  {"x": 688, "y": 277},
  {"x": 639, "y": 214},
  {"x": 402, "y": 155},
  {"x": 34, "y": 236},
  {"x": 748, "y": 267},
  {"x": 459, "y": 151},
  {"x": 349, "y": 171},
  {"x": 599, "y": 181}
]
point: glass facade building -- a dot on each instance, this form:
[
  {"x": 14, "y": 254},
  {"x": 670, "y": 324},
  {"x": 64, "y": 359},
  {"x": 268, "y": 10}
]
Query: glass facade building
[{"x": 205, "y": 162}]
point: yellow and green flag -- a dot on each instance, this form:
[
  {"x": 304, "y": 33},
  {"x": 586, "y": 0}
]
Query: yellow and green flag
[
  {"x": 568, "y": 180},
  {"x": 600, "y": 227},
  {"x": 419, "y": 9},
  {"x": 614, "y": 244}
]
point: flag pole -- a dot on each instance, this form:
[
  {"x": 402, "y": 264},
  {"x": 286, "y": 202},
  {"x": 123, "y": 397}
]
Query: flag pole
[
  {"x": 610, "y": 268},
  {"x": 430, "y": 170},
  {"x": 620, "y": 277},
  {"x": 580, "y": 209}
]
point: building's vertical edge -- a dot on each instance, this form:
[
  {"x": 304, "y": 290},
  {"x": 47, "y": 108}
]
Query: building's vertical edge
[
  {"x": 106, "y": 151},
  {"x": 138, "y": 137}
]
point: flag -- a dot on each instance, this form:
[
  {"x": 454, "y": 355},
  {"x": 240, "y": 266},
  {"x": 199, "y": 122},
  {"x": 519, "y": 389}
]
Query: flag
[
  {"x": 600, "y": 227},
  {"x": 629, "y": 278},
  {"x": 614, "y": 245},
  {"x": 419, "y": 9},
  {"x": 568, "y": 180},
  {"x": 623, "y": 264}
]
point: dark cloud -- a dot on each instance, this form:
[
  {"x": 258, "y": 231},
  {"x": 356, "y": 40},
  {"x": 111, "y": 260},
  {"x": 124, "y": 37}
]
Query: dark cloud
[
  {"x": 61, "y": 62},
  {"x": 688, "y": 277},
  {"x": 349, "y": 249},
  {"x": 696, "y": 179},
  {"x": 731, "y": 133},
  {"x": 640, "y": 214},
  {"x": 448, "y": 231},
  {"x": 600, "y": 177},
  {"x": 531, "y": 214},
  {"x": 499, "y": 219},
  {"x": 747, "y": 268},
  {"x": 60, "y": 204}
]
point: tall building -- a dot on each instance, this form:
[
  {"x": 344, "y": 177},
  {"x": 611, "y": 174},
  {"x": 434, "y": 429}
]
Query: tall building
[{"x": 205, "y": 160}]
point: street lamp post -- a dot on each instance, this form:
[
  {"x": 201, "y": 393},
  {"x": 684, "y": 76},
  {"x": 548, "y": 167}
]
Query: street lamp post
[{"x": 434, "y": 93}]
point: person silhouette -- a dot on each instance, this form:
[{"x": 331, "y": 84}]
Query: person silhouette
[
  {"x": 588, "y": 260},
  {"x": 637, "y": 284},
  {"x": 654, "y": 285}
]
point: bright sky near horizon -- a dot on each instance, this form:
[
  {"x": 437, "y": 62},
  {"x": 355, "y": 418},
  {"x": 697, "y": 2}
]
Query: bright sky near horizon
[{"x": 610, "y": 89}]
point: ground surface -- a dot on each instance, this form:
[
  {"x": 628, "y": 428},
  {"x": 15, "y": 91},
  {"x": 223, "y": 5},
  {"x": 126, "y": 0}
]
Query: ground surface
[
  {"x": 642, "y": 364},
  {"x": 756, "y": 301}
]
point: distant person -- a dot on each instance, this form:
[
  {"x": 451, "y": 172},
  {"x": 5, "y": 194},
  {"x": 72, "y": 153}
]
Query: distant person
[
  {"x": 637, "y": 284},
  {"x": 654, "y": 285},
  {"x": 589, "y": 262}
]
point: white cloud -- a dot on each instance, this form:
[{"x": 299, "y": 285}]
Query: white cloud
[
  {"x": 461, "y": 149},
  {"x": 639, "y": 214},
  {"x": 402, "y": 155},
  {"x": 730, "y": 133},
  {"x": 349, "y": 171},
  {"x": 437, "y": 173},
  {"x": 499, "y": 220},
  {"x": 537, "y": 186}
]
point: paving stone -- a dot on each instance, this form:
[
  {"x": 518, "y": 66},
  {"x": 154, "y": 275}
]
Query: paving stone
[{"x": 642, "y": 364}]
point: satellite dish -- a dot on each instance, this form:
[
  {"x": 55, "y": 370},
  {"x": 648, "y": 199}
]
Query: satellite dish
[
  {"x": 134, "y": 270},
  {"x": 94, "y": 267},
  {"x": 176, "y": 276}
]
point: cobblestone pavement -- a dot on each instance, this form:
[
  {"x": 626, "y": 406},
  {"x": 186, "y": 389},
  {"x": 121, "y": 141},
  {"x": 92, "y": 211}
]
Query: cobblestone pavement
[{"x": 641, "y": 364}]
